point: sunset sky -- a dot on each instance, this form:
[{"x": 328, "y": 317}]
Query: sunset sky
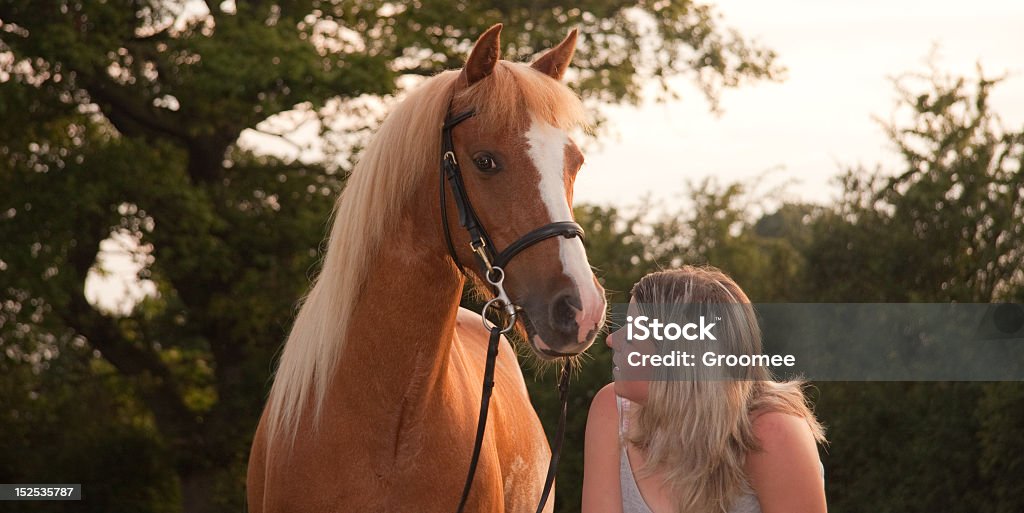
[{"x": 840, "y": 58}]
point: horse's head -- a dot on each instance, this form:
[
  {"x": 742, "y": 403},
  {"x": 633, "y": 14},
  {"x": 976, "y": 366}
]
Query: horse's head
[{"x": 518, "y": 164}]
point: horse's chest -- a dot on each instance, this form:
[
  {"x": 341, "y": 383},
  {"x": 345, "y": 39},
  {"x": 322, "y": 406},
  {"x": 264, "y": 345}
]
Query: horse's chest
[{"x": 433, "y": 456}]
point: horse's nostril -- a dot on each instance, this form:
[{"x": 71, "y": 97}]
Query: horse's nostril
[{"x": 563, "y": 313}]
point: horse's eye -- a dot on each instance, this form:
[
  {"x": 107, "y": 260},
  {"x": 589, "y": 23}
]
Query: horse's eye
[{"x": 486, "y": 162}]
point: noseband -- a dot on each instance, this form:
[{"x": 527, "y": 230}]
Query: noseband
[{"x": 492, "y": 264}]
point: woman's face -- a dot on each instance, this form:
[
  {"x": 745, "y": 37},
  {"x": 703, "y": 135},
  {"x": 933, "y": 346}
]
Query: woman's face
[{"x": 630, "y": 382}]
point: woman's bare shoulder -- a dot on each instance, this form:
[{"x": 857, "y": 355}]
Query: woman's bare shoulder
[
  {"x": 601, "y": 493},
  {"x": 604, "y": 400},
  {"x": 777, "y": 430}
]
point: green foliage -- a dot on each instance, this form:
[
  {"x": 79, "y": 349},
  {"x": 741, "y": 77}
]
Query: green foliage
[
  {"x": 947, "y": 227},
  {"x": 68, "y": 417},
  {"x": 1001, "y": 416},
  {"x": 953, "y": 213}
]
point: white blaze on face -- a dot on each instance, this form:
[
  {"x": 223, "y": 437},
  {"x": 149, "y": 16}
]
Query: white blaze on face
[{"x": 547, "y": 150}]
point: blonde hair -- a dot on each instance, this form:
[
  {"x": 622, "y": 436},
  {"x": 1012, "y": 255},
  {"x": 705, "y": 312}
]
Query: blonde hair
[
  {"x": 403, "y": 153},
  {"x": 696, "y": 429}
]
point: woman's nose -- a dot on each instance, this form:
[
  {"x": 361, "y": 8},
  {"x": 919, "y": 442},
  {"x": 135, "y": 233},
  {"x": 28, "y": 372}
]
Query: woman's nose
[{"x": 612, "y": 338}]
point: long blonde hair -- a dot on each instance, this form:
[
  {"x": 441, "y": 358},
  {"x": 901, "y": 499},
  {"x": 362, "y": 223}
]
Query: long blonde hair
[{"x": 696, "y": 430}]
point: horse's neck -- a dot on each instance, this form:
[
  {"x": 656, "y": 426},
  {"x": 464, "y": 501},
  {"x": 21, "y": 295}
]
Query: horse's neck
[{"x": 399, "y": 338}]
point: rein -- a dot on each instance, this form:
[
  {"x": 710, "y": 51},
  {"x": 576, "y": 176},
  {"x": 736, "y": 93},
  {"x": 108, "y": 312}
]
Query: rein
[{"x": 492, "y": 265}]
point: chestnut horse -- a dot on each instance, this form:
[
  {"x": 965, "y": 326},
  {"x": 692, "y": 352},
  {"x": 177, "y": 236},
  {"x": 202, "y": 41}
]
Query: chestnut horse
[{"x": 375, "y": 400}]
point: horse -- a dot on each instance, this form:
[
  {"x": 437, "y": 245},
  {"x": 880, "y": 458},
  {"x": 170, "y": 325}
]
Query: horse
[{"x": 374, "y": 401}]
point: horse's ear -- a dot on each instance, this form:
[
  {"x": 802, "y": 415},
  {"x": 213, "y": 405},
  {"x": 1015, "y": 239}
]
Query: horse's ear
[
  {"x": 555, "y": 61},
  {"x": 484, "y": 56}
]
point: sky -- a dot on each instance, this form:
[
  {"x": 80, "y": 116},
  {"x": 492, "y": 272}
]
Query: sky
[
  {"x": 804, "y": 130},
  {"x": 801, "y": 131}
]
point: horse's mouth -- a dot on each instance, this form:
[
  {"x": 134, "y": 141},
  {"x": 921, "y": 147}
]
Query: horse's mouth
[{"x": 540, "y": 349}]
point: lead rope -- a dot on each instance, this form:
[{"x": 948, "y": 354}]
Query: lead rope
[
  {"x": 481, "y": 423},
  {"x": 496, "y": 277},
  {"x": 563, "y": 397},
  {"x": 485, "y": 403}
]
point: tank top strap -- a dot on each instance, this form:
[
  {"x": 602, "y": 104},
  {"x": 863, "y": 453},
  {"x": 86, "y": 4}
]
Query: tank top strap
[{"x": 622, "y": 405}]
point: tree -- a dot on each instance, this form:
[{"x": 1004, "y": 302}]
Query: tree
[
  {"x": 946, "y": 227},
  {"x": 953, "y": 212},
  {"x": 124, "y": 117}
]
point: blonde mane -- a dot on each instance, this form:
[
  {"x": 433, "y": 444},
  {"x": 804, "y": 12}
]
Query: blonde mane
[{"x": 404, "y": 151}]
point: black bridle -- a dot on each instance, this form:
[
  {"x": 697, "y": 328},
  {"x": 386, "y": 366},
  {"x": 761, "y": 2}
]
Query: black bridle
[
  {"x": 492, "y": 265},
  {"x": 479, "y": 241}
]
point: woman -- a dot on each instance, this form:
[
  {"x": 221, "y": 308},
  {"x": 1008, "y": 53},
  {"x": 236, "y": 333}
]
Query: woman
[{"x": 699, "y": 438}]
